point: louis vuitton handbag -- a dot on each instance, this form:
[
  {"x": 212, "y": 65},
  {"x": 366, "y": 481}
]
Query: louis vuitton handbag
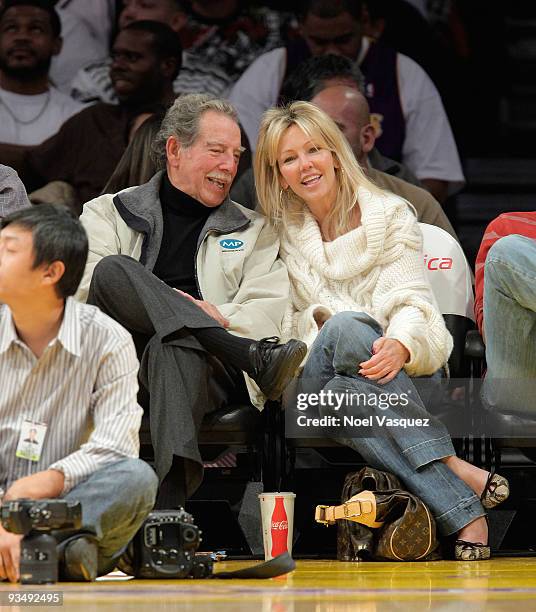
[{"x": 378, "y": 519}]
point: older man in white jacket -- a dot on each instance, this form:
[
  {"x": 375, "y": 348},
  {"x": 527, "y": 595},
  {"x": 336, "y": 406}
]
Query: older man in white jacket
[{"x": 197, "y": 279}]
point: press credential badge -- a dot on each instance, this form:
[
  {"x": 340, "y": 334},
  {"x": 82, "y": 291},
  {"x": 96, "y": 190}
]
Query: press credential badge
[{"x": 32, "y": 437}]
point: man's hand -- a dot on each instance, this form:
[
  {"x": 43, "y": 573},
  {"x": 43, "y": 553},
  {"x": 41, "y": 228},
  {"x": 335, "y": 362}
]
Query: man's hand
[
  {"x": 9, "y": 555},
  {"x": 48, "y": 483},
  {"x": 388, "y": 358},
  {"x": 208, "y": 308}
]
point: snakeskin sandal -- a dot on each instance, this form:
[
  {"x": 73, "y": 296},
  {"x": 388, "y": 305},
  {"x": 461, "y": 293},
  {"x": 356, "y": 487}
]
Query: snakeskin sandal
[
  {"x": 495, "y": 492},
  {"x": 471, "y": 551}
]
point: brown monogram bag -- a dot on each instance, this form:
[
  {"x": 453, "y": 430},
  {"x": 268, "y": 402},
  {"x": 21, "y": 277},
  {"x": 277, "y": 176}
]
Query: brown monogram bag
[{"x": 408, "y": 532}]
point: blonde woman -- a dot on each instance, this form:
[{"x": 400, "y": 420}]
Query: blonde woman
[{"x": 361, "y": 303}]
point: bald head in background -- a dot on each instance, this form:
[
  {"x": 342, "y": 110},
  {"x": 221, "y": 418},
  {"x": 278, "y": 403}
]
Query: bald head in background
[{"x": 349, "y": 108}]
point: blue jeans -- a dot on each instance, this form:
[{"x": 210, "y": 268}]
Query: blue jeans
[
  {"x": 510, "y": 324},
  {"x": 412, "y": 454},
  {"x": 115, "y": 501}
]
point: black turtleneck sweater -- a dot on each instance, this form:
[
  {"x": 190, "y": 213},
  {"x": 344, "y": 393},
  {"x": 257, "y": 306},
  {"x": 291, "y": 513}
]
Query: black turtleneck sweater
[{"x": 184, "y": 218}]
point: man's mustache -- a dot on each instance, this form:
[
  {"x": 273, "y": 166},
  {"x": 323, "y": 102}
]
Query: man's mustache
[{"x": 220, "y": 176}]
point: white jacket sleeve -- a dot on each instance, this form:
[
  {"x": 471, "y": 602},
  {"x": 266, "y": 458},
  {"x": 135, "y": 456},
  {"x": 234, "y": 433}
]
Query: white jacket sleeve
[{"x": 100, "y": 223}]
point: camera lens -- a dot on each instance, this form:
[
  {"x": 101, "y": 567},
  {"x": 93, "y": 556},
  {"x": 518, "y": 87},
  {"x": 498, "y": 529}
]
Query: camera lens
[{"x": 189, "y": 534}]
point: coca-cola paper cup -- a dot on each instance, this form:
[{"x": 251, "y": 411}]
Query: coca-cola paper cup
[{"x": 277, "y": 512}]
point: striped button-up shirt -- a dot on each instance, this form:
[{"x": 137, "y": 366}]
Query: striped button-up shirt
[{"x": 83, "y": 387}]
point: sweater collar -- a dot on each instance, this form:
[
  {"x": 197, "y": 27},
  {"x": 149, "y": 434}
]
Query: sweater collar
[{"x": 348, "y": 255}]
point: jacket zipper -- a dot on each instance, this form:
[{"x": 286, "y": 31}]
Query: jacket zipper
[{"x": 195, "y": 264}]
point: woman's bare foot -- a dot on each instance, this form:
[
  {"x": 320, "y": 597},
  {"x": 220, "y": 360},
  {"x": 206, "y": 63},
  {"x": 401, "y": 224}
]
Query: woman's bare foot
[
  {"x": 473, "y": 476},
  {"x": 476, "y": 532}
]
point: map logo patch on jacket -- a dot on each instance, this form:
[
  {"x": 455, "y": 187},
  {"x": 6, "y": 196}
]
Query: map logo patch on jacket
[{"x": 231, "y": 244}]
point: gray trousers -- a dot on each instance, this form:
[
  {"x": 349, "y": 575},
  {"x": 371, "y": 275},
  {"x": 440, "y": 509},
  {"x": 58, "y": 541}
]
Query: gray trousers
[{"x": 183, "y": 380}]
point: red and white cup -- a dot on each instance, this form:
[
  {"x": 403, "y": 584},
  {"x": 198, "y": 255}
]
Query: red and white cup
[{"x": 277, "y": 512}]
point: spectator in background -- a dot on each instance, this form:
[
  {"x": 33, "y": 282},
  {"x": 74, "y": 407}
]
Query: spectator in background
[
  {"x": 505, "y": 308},
  {"x": 136, "y": 165},
  {"x": 31, "y": 110},
  {"x": 401, "y": 26},
  {"x": 87, "y": 34},
  {"x": 12, "y": 193},
  {"x": 397, "y": 24},
  {"x": 231, "y": 34},
  {"x": 410, "y": 120},
  {"x": 166, "y": 11},
  {"x": 147, "y": 58},
  {"x": 92, "y": 82}
]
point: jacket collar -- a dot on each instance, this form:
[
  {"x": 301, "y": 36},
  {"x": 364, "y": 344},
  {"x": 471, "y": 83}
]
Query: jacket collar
[{"x": 141, "y": 210}]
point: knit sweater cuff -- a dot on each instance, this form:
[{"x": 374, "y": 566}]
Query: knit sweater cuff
[
  {"x": 407, "y": 341},
  {"x": 414, "y": 366},
  {"x": 420, "y": 363}
]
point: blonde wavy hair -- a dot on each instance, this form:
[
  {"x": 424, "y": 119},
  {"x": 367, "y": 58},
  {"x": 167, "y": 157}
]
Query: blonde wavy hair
[{"x": 278, "y": 203}]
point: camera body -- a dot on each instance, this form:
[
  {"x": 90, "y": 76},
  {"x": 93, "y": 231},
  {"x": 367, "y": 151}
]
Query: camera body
[
  {"x": 35, "y": 519},
  {"x": 165, "y": 547}
]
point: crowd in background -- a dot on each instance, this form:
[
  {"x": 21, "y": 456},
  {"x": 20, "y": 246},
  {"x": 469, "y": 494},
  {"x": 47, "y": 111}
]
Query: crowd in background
[{"x": 88, "y": 76}]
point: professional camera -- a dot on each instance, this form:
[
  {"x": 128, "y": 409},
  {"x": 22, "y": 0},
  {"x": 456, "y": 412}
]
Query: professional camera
[
  {"x": 165, "y": 547},
  {"x": 34, "y": 519}
]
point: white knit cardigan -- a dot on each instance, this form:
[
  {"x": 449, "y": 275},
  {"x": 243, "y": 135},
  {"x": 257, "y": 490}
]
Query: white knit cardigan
[{"x": 376, "y": 268}]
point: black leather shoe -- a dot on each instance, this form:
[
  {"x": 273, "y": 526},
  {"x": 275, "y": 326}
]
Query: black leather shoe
[
  {"x": 79, "y": 559},
  {"x": 274, "y": 365}
]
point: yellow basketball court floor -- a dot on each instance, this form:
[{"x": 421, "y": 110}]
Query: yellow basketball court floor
[{"x": 507, "y": 584}]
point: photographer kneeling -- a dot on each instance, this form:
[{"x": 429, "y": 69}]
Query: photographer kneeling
[{"x": 68, "y": 411}]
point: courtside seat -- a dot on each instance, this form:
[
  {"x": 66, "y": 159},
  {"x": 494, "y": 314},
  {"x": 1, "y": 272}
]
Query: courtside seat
[
  {"x": 235, "y": 424},
  {"x": 451, "y": 280},
  {"x": 474, "y": 346},
  {"x": 517, "y": 429},
  {"x": 239, "y": 427}
]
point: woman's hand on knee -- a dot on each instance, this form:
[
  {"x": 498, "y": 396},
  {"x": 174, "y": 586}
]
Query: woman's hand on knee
[{"x": 389, "y": 357}]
